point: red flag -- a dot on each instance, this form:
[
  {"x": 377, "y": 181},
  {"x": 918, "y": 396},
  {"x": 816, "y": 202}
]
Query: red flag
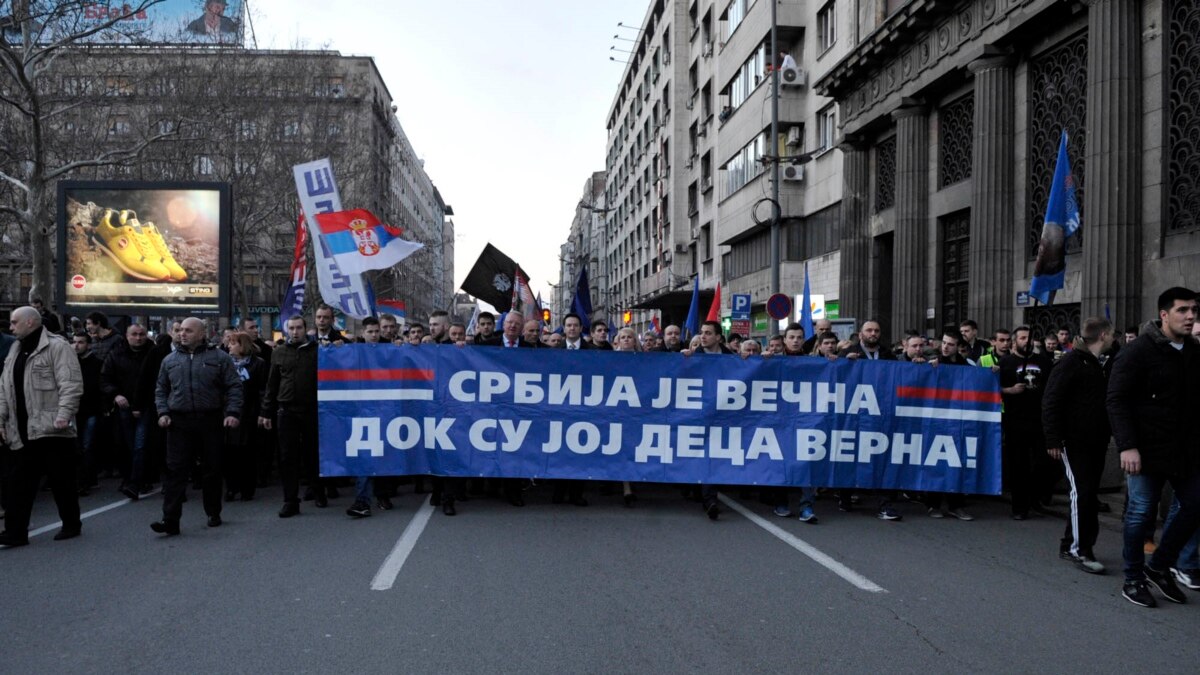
[{"x": 714, "y": 310}]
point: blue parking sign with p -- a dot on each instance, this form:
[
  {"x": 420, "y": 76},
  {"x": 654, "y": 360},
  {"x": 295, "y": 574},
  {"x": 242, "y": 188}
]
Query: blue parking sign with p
[{"x": 740, "y": 308}]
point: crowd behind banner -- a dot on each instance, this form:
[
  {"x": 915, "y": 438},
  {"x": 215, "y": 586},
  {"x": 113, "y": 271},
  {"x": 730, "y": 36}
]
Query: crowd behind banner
[{"x": 233, "y": 415}]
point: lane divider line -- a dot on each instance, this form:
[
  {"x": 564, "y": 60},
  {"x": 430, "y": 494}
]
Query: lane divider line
[
  {"x": 390, "y": 569},
  {"x": 94, "y": 512},
  {"x": 815, "y": 554}
]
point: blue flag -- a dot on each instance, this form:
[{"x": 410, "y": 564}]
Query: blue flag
[
  {"x": 692, "y": 325},
  {"x": 581, "y": 304},
  {"x": 1062, "y": 221},
  {"x": 806, "y": 311}
]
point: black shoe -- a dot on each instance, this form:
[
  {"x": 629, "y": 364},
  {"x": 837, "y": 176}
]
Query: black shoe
[
  {"x": 11, "y": 541},
  {"x": 332, "y": 493},
  {"x": 320, "y": 502},
  {"x": 289, "y": 509},
  {"x": 166, "y": 527},
  {"x": 310, "y": 494},
  {"x": 579, "y": 501},
  {"x": 359, "y": 510},
  {"x": 448, "y": 508},
  {"x": 1164, "y": 583},
  {"x": 1138, "y": 593},
  {"x": 713, "y": 511},
  {"x": 129, "y": 491},
  {"x": 214, "y": 521},
  {"x": 68, "y": 533},
  {"x": 385, "y": 504}
]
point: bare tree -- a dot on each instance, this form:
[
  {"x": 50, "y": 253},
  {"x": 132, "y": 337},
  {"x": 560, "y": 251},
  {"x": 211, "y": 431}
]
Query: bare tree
[{"x": 30, "y": 103}]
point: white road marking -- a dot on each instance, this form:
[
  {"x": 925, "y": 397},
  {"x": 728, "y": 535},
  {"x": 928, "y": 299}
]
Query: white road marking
[
  {"x": 806, "y": 548},
  {"x": 390, "y": 569},
  {"x": 94, "y": 512}
]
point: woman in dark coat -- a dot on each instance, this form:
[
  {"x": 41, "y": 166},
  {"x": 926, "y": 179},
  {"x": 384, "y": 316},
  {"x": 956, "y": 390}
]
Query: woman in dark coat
[{"x": 241, "y": 444}]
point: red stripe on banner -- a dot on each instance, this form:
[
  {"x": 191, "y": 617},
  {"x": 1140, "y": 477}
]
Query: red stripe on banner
[
  {"x": 948, "y": 394},
  {"x": 375, "y": 375}
]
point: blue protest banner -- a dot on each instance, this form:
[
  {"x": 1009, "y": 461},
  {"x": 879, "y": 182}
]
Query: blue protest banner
[{"x": 433, "y": 409}]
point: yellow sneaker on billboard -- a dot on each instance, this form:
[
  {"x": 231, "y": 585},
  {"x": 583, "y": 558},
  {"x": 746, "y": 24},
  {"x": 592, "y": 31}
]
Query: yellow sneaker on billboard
[
  {"x": 160, "y": 246},
  {"x": 128, "y": 248}
]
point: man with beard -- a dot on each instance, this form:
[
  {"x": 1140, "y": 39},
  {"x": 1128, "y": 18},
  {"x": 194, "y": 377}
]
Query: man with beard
[
  {"x": 867, "y": 347},
  {"x": 119, "y": 381},
  {"x": 1023, "y": 376},
  {"x": 290, "y": 402},
  {"x": 389, "y": 328},
  {"x": 793, "y": 345},
  {"x": 485, "y": 330},
  {"x": 439, "y": 326},
  {"x": 914, "y": 350}
]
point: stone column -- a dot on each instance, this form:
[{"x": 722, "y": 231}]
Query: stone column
[
  {"x": 1112, "y": 201},
  {"x": 990, "y": 268},
  {"x": 854, "y": 277},
  {"x": 911, "y": 252}
]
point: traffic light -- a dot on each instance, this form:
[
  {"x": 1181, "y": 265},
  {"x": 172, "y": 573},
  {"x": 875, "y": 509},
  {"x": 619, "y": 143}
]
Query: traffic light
[
  {"x": 546, "y": 316},
  {"x": 627, "y": 317}
]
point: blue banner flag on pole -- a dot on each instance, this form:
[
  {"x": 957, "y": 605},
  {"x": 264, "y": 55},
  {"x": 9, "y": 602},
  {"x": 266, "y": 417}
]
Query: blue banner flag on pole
[
  {"x": 581, "y": 304},
  {"x": 806, "y": 311},
  {"x": 1062, "y": 221},
  {"x": 721, "y": 420},
  {"x": 692, "y": 325}
]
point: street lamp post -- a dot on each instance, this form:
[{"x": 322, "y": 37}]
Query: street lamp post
[{"x": 774, "y": 144}]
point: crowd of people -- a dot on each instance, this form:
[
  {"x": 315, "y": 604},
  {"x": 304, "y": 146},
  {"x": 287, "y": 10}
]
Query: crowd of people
[{"x": 220, "y": 415}]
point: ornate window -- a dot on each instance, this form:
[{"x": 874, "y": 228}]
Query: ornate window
[
  {"x": 1183, "y": 116},
  {"x": 885, "y": 175},
  {"x": 956, "y": 240},
  {"x": 1057, "y": 101},
  {"x": 1045, "y": 319},
  {"x": 956, "y": 125}
]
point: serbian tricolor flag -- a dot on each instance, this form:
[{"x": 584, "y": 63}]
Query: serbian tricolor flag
[
  {"x": 360, "y": 243},
  {"x": 396, "y": 307},
  {"x": 374, "y": 384}
]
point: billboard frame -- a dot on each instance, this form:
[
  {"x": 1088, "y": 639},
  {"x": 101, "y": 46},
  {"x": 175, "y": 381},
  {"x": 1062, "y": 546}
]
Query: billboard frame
[{"x": 224, "y": 247}]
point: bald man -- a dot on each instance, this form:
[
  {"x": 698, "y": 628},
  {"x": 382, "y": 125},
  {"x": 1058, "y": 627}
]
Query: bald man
[
  {"x": 198, "y": 392},
  {"x": 39, "y": 396}
]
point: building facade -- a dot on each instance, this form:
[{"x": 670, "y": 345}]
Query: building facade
[
  {"x": 246, "y": 117},
  {"x": 585, "y": 247},
  {"x": 951, "y": 119}
]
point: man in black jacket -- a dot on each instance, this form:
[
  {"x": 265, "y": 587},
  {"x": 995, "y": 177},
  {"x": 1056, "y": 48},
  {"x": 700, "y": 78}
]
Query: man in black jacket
[
  {"x": 198, "y": 393},
  {"x": 1023, "y": 376},
  {"x": 90, "y": 409},
  {"x": 1076, "y": 429},
  {"x": 1152, "y": 404},
  {"x": 290, "y": 401},
  {"x": 327, "y": 334},
  {"x": 868, "y": 347},
  {"x": 118, "y": 382}
]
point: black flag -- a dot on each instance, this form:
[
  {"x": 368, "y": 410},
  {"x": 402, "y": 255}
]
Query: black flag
[{"x": 491, "y": 279}]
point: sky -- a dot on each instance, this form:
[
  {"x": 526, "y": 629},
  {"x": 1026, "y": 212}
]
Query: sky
[{"x": 505, "y": 101}]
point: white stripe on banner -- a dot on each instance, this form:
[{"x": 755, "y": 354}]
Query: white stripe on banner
[
  {"x": 947, "y": 414},
  {"x": 375, "y": 395}
]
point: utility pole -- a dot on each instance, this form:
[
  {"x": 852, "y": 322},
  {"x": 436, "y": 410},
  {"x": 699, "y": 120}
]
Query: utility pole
[{"x": 773, "y": 151}]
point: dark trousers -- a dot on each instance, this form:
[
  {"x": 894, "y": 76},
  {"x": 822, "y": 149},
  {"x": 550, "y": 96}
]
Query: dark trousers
[
  {"x": 299, "y": 453},
  {"x": 133, "y": 432},
  {"x": 241, "y": 468},
  {"x": 568, "y": 490},
  {"x": 954, "y": 500},
  {"x": 1029, "y": 473},
  {"x": 1084, "y": 467},
  {"x": 189, "y": 437},
  {"x": 51, "y": 457}
]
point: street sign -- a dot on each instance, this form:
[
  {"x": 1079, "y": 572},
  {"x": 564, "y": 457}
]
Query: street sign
[
  {"x": 740, "y": 307},
  {"x": 779, "y": 306},
  {"x": 1022, "y": 298},
  {"x": 740, "y": 326}
]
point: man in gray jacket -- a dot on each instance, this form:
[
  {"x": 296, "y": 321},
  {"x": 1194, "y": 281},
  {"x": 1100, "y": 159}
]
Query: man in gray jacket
[
  {"x": 39, "y": 396},
  {"x": 195, "y": 385}
]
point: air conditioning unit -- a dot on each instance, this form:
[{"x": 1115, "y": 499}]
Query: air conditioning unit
[
  {"x": 795, "y": 136},
  {"x": 707, "y": 50},
  {"x": 793, "y": 77},
  {"x": 681, "y": 248},
  {"x": 792, "y": 172}
]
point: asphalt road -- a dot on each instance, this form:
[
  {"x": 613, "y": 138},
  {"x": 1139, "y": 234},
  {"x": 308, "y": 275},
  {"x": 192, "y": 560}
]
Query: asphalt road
[{"x": 562, "y": 589}]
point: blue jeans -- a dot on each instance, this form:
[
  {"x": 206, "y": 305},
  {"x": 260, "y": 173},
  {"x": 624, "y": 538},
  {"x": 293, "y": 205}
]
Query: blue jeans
[
  {"x": 85, "y": 442},
  {"x": 1144, "y": 492},
  {"x": 1189, "y": 555},
  {"x": 362, "y": 489},
  {"x": 133, "y": 435}
]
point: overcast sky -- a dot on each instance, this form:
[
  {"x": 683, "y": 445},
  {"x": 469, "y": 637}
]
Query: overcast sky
[{"x": 505, "y": 101}]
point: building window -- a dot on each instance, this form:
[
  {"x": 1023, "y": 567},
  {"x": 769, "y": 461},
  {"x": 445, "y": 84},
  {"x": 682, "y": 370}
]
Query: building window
[
  {"x": 117, "y": 86},
  {"x": 826, "y": 128},
  {"x": 735, "y": 14},
  {"x": 118, "y": 125},
  {"x": 203, "y": 165},
  {"x": 814, "y": 235},
  {"x": 826, "y": 26},
  {"x": 747, "y": 78},
  {"x": 166, "y": 126},
  {"x": 291, "y": 129},
  {"x": 1183, "y": 127},
  {"x": 956, "y": 245},
  {"x": 956, "y": 128},
  {"x": 885, "y": 175},
  {"x": 248, "y": 129},
  {"x": 744, "y": 166}
]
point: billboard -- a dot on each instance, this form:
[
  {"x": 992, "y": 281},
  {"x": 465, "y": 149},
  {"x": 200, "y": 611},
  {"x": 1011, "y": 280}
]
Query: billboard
[
  {"x": 144, "y": 248},
  {"x": 201, "y": 22}
]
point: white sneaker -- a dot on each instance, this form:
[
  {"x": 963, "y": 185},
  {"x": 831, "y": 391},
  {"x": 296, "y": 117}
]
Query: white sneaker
[
  {"x": 1189, "y": 578},
  {"x": 935, "y": 513}
]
